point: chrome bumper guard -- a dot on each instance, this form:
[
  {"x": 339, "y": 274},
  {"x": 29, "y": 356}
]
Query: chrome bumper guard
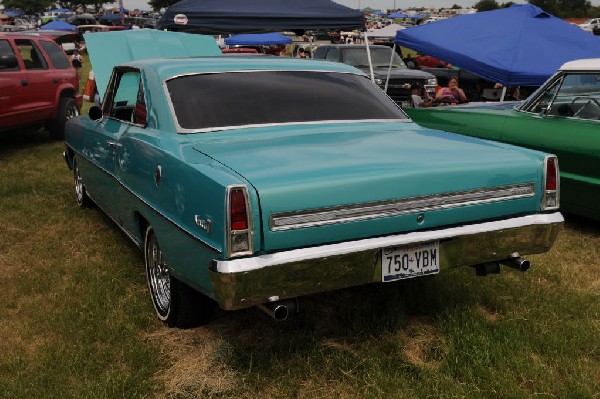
[{"x": 245, "y": 282}]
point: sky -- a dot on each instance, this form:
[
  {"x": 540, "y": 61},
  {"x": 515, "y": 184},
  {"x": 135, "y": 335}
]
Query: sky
[{"x": 375, "y": 4}]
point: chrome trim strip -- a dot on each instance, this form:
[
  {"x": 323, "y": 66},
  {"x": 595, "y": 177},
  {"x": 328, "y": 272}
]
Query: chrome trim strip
[
  {"x": 374, "y": 210},
  {"x": 324, "y": 251},
  {"x": 329, "y": 122},
  {"x": 143, "y": 202}
]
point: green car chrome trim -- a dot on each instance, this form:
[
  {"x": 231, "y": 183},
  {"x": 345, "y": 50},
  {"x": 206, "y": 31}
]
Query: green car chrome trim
[
  {"x": 152, "y": 208},
  {"x": 251, "y": 281},
  {"x": 402, "y": 206}
]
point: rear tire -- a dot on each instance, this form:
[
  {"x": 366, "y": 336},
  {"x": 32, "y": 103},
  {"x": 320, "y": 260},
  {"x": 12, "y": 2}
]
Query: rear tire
[
  {"x": 175, "y": 303},
  {"x": 83, "y": 200},
  {"x": 67, "y": 109}
]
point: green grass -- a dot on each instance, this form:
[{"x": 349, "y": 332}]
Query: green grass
[{"x": 78, "y": 322}]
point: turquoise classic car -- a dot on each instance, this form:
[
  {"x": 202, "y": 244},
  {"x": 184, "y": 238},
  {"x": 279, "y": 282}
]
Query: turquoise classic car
[
  {"x": 561, "y": 117},
  {"x": 251, "y": 181}
]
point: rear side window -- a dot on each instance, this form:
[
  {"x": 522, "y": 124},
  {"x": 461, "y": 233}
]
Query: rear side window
[
  {"x": 56, "y": 55},
  {"x": 6, "y": 49},
  {"x": 32, "y": 57}
]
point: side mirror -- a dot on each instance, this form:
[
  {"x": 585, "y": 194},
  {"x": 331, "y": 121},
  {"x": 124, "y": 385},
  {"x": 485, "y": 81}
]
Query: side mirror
[
  {"x": 8, "y": 61},
  {"x": 95, "y": 113}
]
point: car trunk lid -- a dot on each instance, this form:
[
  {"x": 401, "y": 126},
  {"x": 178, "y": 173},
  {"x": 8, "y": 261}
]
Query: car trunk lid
[{"x": 333, "y": 173}]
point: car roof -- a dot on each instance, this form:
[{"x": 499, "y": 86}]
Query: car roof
[
  {"x": 166, "y": 68},
  {"x": 25, "y": 35},
  {"x": 588, "y": 64},
  {"x": 169, "y": 54}
]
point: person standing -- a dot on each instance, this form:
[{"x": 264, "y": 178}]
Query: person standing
[{"x": 77, "y": 62}]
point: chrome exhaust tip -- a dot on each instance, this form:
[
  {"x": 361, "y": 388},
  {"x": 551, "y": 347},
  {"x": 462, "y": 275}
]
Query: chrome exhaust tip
[
  {"x": 517, "y": 263},
  {"x": 484, "y": 269},
  {"x": 280, "y": 310}
]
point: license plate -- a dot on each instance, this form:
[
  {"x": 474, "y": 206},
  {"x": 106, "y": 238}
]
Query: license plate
[{"x": 410, "y": 261}]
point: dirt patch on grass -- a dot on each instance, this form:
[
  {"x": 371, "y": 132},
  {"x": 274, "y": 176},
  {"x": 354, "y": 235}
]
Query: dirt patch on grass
[
  {"x": 489, "y": 315},
  {"x": 196, "y": 365},
  {"x": 424, "y": 344}
]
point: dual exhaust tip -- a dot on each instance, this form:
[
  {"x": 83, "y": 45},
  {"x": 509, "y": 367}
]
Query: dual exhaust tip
[
  {"x": 515, "y": 262},
  {"x": 280, "y": 309}
]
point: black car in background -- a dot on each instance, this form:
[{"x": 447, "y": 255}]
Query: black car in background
[{"x": 401, "y": 78}]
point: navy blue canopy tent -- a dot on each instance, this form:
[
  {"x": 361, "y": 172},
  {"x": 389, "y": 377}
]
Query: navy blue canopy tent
[
  {"x": 58, "y": 24},
  {"x": 255, "y": 39},
  {"x": 243, "y": 16},
  {"x": 519, "y": 45},
  {"x": 111, "y": 17}
]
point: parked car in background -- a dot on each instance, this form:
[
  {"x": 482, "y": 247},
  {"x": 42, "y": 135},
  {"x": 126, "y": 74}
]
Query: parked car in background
[
  {"x": 427, "y": 61},
  {"x": 590, "y": 24},
  {"x": 240, "y": 51},
  {"x": 562, "y": 117},
  {"x": 255, "y": 180},
  {"x": 38, "y": 85},
  {"x": 82, "y": 19},
  {"x": 401, "y": 79}
]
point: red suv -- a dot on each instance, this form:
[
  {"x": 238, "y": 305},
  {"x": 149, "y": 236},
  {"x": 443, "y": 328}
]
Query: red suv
[{"x": 38, "y": 85}]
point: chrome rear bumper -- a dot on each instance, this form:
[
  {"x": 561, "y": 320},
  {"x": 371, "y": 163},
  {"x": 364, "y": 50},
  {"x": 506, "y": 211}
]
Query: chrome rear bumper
[{"x": 245, "y": 282}]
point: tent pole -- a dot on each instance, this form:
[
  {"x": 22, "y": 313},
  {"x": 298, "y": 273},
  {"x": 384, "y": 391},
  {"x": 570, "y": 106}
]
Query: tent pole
[
  {"x": 387, "y": 78},
  {"x": 369, "y": 54},
  {"x": 503, "y": 93}
]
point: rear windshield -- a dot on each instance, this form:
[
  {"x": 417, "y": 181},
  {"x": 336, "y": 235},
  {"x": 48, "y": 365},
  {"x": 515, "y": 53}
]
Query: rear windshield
[{"x": 209, "y": 101}]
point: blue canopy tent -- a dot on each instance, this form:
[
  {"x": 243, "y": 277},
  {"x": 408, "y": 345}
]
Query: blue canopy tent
[
  {"x": 416, "y": 16},
  {"x": 519, "y": 45},
  {"x": 243, "y": 16},
  {"x": 60, "y": 10},
  {"x": 378, "y": 12},
  {"x": 255, "y": 39},
  {"x": 397, "y": 14},
  {"x": 58, "y": 24},
  {"x": 13, "y": 13}
]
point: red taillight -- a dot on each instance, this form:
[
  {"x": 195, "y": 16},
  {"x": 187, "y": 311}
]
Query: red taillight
[
  {"x": 551, "y": 175},
  {"x": 238, "y": 214}
]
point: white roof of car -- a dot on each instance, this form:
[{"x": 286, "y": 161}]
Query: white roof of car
[{"x": 588, "y": 64}]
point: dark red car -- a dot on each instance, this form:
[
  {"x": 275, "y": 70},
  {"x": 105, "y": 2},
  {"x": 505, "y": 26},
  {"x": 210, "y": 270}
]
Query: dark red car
[
  {"x": 38, "y": 85},
  {"x": 427, "y": 61}
]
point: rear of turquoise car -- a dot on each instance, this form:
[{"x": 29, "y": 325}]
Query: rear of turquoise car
[
  {"x": 259, "y": 180},
  {"x": 354, "y": 202}
]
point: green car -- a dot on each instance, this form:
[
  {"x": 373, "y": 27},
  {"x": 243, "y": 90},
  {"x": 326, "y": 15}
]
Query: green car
[{"x": 561, "y": 117}]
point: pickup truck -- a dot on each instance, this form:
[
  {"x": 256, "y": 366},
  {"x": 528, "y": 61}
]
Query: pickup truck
[
  {"x": 38, "y": 85},
  {"x": 401, "y": 79}
]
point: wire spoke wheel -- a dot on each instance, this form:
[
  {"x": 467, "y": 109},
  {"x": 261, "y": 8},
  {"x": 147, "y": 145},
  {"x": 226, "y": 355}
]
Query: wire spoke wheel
[{"x": 159, "y": 280}]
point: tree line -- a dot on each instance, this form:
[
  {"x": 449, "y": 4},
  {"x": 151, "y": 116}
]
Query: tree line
[{"x": 558, "y": 8}]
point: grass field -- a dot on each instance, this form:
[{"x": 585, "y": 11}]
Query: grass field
[{"x": 78, "y": 321}]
